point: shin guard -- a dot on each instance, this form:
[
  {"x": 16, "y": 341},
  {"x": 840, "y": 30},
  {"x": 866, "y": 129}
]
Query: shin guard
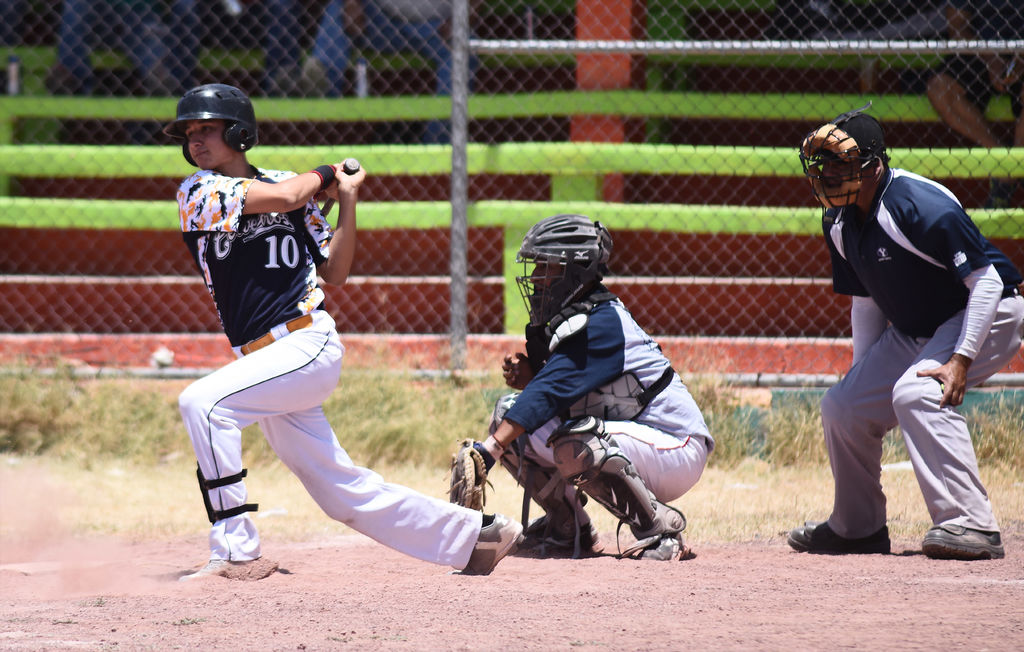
[{"x": 590, "y": 460}]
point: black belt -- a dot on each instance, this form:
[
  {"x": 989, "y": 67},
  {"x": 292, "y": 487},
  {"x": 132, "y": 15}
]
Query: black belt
[{"x": 1011, "y": 291}]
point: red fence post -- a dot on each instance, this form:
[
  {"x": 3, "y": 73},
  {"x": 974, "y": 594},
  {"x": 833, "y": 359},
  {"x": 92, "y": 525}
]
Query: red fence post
[{"x": 607, "y": 20}]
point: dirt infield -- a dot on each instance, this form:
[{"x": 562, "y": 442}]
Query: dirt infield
[{"x": 351, "y": 593}]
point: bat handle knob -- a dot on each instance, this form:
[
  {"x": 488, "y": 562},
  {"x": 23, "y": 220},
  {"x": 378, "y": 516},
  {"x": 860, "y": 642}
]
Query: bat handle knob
[{"x": 348, "y": 166}]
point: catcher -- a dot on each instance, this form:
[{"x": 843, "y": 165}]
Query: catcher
[{"x": 601, "y": 413}]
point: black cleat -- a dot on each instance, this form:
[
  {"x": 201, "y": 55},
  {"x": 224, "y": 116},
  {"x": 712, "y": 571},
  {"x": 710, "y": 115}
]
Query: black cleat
[{"x": 818, "y": 538}]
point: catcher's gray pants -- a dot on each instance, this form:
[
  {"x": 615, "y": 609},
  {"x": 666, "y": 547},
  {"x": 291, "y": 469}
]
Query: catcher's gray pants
[{"x": 883, "y": 390}]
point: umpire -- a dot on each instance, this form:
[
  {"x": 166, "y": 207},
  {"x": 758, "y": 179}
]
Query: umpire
[{"x": 936, "y": 309}]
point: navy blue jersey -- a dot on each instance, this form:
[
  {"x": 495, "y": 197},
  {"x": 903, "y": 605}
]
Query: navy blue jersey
[
  {"x": 912, "y": 253},
  {"x": 260, "y": 269},
  {"x": 611, "y": 345}
]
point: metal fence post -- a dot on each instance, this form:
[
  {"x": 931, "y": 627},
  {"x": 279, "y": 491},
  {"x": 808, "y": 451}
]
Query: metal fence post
[{"x": 459, "y": 182}]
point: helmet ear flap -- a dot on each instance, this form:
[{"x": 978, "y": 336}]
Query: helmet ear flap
[
  {"x": 184, "y": 151},
  {"x": 238, "y": 137}
]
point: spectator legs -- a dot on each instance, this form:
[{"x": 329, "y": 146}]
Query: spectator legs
[
  {"x": 280, "y": 20},
  {"x": 331, "y": 51}
]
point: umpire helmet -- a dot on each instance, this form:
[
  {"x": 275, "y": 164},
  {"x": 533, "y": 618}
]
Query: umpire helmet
[
  {"x": 835, "y": 155},
  {"x": 217, "y": 102},
  {"x": 570, "y": 255}
]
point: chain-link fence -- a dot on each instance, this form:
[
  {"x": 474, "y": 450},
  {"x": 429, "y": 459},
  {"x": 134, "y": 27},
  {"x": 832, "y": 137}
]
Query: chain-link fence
[{"x": 673, "y": 122}]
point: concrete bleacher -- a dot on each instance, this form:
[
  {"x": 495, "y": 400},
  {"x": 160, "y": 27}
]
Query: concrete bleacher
[
  {"x": 713, "y": 270},
  {"x": 711, "y": 137},
  {"x": 717, "y": 292}
]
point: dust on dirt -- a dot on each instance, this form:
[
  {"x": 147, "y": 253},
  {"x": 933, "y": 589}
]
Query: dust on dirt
[{"x": 350, "y": 592}]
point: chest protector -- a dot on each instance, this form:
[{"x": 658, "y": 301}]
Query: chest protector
[
  {"x": 620, "y": 400},
  {"x": 623, "y": 399}
]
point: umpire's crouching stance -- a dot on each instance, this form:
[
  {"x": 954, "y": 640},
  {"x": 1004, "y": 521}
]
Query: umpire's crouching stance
[{"x": 935, "y": 310}]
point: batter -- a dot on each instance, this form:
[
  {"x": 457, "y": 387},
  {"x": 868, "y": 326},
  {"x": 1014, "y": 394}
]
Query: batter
[{"x": 260, "y": 240}]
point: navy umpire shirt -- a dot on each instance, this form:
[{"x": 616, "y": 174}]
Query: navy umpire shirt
[{"x": 912, "y": 253}]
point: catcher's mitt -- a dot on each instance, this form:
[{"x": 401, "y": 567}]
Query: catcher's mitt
[{"x": 469, "y": 475}]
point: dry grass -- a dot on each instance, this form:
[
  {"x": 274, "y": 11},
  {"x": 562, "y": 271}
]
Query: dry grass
[
  {"x": 111, "y": 457},
  {"x": 752, "y": 502}
]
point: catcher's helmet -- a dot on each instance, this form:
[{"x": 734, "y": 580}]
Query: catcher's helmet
[
  {"x": 217, "y": 102},
  {"x": 570, "y": 254},
  {"x": 835, "y": 155}
]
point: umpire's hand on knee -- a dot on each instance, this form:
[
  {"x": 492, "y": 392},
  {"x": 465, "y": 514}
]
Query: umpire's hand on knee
[{"x": 952, "y": 378}]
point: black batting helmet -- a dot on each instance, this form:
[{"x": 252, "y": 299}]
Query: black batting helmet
[{"x": 217, "y": 102}]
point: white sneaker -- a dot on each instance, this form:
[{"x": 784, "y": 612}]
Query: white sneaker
[
  {"x": 669, "y": 548},
  {"x": 213, "y": 568},
  {"x": 252, "y": 569},
  {"x": 498, "y": 539}
]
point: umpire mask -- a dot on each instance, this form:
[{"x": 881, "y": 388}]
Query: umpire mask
[{"x": 836, "y": 155}]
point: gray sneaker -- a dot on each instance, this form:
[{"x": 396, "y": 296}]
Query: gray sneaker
[
  {"x": 959, "y": 542},
  {"x": 496, "y": 540}
]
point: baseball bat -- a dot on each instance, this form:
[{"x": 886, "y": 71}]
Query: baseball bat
[{"x": 348, "y": 166}]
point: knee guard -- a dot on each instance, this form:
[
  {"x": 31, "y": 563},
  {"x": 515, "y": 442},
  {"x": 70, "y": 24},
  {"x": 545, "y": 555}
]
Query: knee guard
[
  {"x": 205, "y": 486},
  {"x": 588, "y": 458}
]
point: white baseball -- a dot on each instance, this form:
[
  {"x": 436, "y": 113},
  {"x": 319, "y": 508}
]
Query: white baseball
[{"x": 162, "y": 357}]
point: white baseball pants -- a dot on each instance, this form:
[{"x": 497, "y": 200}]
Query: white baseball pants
[
  {"x": 282, "y": 387},
  {"x": 669, "y": 466}
]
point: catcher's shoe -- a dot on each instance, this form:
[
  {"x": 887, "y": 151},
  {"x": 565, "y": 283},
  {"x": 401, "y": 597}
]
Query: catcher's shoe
[
  {"x": 541, "y": 533},
  {"x": 959, "y": 542},
  {"x": 657, "y": 547},
  {"x": 668, "y": 548},
  {"x": 253, "y": 569},
  {"x": 818, "y": 538},
  {"x": 540, "y": 536},
  {"x": 496, "y": 540}
]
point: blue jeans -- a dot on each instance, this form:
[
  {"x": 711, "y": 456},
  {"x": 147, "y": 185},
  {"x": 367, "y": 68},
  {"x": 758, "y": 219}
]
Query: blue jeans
[
  {"x": 281, "y": 30},
  {"x": 388, "y": 35},
  {"x": 139, "y": 32}
]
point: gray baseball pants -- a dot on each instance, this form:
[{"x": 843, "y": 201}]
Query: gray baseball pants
[{"x": 882, "y": 391}]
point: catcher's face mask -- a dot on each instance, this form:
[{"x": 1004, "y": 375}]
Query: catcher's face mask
[
  {"x": 834, "y": 165},
  {"x": 535, "y": 288},
  {"x": 567, "y": 253}
]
